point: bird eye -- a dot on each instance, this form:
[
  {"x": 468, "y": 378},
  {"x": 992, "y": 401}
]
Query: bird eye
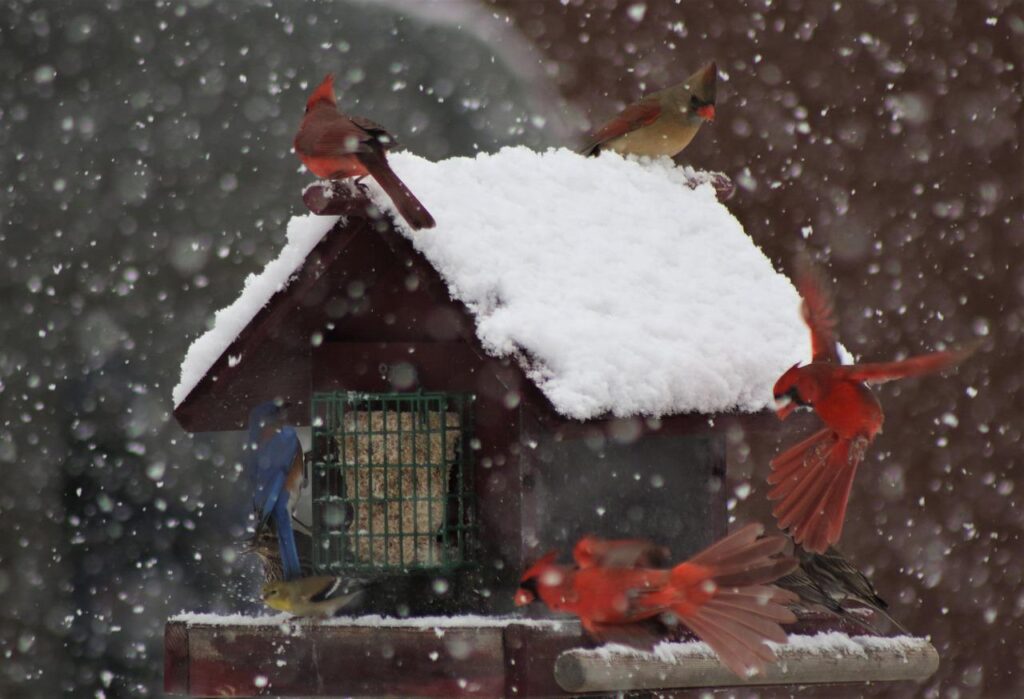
[
  {"x": 794, "y": 395},
  {"x": 694, "y": 102}
]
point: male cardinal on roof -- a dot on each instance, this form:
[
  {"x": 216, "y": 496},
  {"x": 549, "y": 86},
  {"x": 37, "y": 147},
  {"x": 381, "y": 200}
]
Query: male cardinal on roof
[
  {"x": 812, "y": 479},
  {"x": 721, "y": 594},
  {"x": 663, "y": 122},
  {"x": 334, "y": 146}
]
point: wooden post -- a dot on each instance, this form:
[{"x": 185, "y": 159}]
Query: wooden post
[{"x": 876, "y": 659}]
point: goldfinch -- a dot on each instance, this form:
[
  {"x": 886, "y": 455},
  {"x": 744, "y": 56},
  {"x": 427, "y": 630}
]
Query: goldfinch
[{"x": 317, "y": 595}]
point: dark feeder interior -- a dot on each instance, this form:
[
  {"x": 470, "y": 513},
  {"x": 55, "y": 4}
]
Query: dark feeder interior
[{"x": 437, "y": 470}]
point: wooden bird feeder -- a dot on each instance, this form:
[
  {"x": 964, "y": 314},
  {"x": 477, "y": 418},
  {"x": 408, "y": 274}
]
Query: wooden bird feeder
[{"x": 443, "y": 471}]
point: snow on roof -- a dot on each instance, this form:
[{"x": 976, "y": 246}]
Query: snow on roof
[
  {"x": 622, "y": 290},
  {"x": 619, "y": 289},
  {"x": 304, "y": 232}
]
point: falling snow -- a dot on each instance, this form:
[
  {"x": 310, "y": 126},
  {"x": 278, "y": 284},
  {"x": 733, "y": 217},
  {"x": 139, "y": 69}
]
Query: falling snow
[{"x": 147, "y": 173}]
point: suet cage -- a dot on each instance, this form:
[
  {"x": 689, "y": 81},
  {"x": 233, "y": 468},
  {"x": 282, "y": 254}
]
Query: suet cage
[{"x": 391, "y": 481}]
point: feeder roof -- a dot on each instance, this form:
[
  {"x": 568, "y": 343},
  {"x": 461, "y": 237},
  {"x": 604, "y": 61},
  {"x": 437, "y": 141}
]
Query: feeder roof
[{"x": 617, "y": 288}]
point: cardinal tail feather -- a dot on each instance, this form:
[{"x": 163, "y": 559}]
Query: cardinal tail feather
[
  {"x": 728, "y": 545},
  {"x": 737, "y": 628},
  {"x": 741, "y": 559},
  {"x": 738, "y": 623},
  {"x": 405, "y": 201},
  {"x": 792, "y": 460},
  {"x": 813, "y": 498}
]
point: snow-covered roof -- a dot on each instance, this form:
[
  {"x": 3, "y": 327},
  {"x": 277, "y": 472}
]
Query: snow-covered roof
[{"x": 618, "y": 288}]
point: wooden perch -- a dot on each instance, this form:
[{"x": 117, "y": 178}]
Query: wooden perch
[
  {"x": 579, "y": 670},
  {"x": 337, "y": 198}
]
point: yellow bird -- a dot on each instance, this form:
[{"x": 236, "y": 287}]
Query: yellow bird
[{"x": 317, "y": 595}]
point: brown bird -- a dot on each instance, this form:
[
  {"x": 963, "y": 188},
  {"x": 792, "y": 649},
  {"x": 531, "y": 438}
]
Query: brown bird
[
  {"x": 812, "y": 594},
  {"x": 334, "y": 146},
  {"x": 663, "y": 122},
  {"x": 842, "y": 581}
]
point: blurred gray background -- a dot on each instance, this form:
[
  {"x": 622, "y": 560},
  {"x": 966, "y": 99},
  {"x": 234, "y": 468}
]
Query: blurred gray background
[{"x": 145, "y": 170}]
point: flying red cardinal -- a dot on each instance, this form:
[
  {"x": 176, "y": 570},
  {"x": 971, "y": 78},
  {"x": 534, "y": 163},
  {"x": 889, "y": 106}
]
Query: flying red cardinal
[
  {"x": 591, "y": 551},
  {"x": 812, "y": 479},
  {"x": 334, "y": 146},
  {"x": 722, "y": 594},
  {"x": 663, "y": 122}
]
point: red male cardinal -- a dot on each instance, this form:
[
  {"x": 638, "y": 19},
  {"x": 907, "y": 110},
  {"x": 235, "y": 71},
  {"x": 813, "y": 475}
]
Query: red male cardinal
[
  {"x": 663, "y": 122},
  {"x": 591, "y": 551},
  {"x": 334, "y": 146},
  {"x": 721, "y": 594},
  {"x": 813, "y": 478}
]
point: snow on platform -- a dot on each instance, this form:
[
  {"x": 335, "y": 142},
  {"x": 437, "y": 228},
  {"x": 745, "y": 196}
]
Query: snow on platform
[
  {"x": 371, "y": 620},
  {"x": 825, "y": 658},
  {"x": 619, "y": 289},
  {"x": 831, "y": 644}
]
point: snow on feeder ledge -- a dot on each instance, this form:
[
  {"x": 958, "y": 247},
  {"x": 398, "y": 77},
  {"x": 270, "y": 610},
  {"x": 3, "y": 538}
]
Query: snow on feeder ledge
[{"x": 599, "y": 324}]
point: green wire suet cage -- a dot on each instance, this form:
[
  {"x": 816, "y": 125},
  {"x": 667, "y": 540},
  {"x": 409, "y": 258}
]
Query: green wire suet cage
[{"x": 391, "y": 481}]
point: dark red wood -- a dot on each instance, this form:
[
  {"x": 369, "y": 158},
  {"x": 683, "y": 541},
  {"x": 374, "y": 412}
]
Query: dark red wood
[
  {"x": 303, "y": 659},
  {"x": 530, "y": 655},
  {"x": 222, "y": 399},
  {"x": 312, "y": 659},
  {"x": 339, "y": 199},
  {"x": 176, "y": 660},
  {"x": 375, "y": 366}
]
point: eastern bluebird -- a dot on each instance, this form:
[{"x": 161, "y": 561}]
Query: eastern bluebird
[{"x": 276, "y": 474}]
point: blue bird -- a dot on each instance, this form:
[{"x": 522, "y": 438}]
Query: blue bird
[{"x": 276, "y": 473}]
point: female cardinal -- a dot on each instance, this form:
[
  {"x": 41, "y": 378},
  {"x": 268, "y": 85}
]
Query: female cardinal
[
  {"x": 663, "y": 122},
  {"x": 334, "y": 146},
  {"x": 721, "y": 594},
  {"x": 812, "y": 479}
]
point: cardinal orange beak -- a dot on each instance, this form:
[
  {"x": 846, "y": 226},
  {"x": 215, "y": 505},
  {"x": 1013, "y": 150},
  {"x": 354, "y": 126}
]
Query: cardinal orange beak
[
  {"x": 784, "y": 406},
  {"x": 523, "y": 597},
  {"x": 707, "y": 112}
]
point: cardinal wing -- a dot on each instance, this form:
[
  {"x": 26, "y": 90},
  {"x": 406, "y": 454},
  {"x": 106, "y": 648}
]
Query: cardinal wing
[
  {"x": 631, "y": 118},
  {"x": 620, "y": 553},
  {"x": 344, "y": 137},
  {"x": 817, "y": 310},
  {"x": 880, "y": 372},
  {"x": 379, "y": 133}
]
